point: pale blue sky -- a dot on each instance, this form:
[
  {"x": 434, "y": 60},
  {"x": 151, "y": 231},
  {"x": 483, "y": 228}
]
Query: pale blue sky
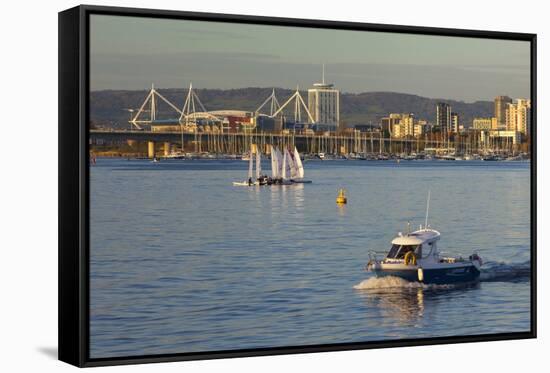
[{"x": 132, "y": 53}]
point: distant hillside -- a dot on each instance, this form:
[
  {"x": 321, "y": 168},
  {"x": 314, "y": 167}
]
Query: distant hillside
[{"x": 110, "y": 107}]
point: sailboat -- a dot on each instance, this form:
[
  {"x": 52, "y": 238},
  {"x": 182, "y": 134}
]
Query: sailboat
[
  {"x": 251, "y": 181},
  {"x": 279, "y": 168},
  {"x": 298, "y": 176},
  {"x": 274, "y": 163},
  {"x": 261, "y": 179}
]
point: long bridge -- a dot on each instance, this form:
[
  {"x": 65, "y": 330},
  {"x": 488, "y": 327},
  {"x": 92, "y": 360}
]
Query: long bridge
[{"x": 159, "y": 142}]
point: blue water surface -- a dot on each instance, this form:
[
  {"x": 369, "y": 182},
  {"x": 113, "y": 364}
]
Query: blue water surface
[{"x": 182, "y": 261}]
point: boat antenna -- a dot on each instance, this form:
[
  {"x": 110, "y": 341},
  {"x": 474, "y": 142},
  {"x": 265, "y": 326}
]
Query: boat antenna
[{"x": 427, "y": 210}]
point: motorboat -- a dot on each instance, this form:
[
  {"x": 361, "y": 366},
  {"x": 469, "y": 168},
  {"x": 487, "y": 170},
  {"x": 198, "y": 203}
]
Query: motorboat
[{"x": 415, "y": 257}]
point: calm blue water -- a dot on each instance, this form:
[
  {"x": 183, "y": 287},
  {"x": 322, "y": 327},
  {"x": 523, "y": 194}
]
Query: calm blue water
[{"x": 182, "y": 261}]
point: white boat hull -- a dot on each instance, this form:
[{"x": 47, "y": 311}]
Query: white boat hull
[{"x": 244, "y": 183}]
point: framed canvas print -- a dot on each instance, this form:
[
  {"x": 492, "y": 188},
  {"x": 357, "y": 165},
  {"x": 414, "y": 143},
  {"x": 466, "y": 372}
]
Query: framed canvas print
[{"x": 239, "y": 186}]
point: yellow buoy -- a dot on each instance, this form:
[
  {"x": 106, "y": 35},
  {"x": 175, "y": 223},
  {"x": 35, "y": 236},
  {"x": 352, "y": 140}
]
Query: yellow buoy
[{"x": 341, "y": 199}]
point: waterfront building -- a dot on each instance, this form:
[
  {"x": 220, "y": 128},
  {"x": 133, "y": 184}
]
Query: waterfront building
[
  {"x": 443, "y": 116},
  {"x": 324, "y": 104},
  {"x": 418, "y": 129},
  {"x": 494, "y": 123},
  {"x": 483, "y": 123},
  {"x": 518, "y": 116},
  {"x": 389, "y": 122},
  {"x": 396, "y": 131},
  {"x": 407, "y": 124},
  {"x": 404, "y": 125},
  {"x": 455, "y": 119},
  {"x": 501, "y": 104},
  {"x": 512, "y": 136}
]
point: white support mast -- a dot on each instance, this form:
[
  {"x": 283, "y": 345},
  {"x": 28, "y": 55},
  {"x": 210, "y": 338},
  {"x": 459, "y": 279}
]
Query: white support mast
[
  {"x": 298, "y": 105},
  {"x": 274, "y": 104},
  {"x": 151, "y": 99},
  {"x": 190, "y": 106}
]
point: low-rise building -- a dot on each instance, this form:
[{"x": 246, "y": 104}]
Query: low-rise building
[
  {"x": 388, "y": 123},
  {"x": 513, "y": 136},
  {"x": 403, "y": 125},
  {"x": 483, "y": 123}
]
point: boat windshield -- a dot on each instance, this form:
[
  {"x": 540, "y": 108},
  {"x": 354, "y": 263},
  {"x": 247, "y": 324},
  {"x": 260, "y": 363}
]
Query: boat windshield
[{"x": 399, "y": 251}]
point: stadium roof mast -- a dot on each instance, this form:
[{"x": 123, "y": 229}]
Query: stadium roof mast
[
  {"x": 152, "y": 100},
  {"x": 190, "y": 106},
  {"x": 274, "y": 106},
  {"x": 298, "y": 104}
]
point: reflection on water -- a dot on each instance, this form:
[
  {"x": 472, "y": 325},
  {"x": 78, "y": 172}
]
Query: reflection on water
[
  {"x": 403, "y": 303},
  {"x": 182, "y": 261},
  {"x": 403, "y": 306},
  {"x": 341, "y": 209}
]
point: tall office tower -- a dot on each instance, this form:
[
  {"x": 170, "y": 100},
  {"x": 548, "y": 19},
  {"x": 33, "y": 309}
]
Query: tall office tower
[
  {"x": 518, "y": 116},
  {"x": 324, "y": 104},
  {"x": 501, "y": 104},
  {"x": 443, "y": 116}
]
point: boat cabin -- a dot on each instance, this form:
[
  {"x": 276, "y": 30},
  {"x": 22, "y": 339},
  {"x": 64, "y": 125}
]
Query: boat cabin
[{"x": 423, "y": 243}]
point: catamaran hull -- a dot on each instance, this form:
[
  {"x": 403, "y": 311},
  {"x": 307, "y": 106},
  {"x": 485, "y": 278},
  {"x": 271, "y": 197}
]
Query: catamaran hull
[
  {"x": 438, "y": 276},
  {"x": 300, "y": 181}
]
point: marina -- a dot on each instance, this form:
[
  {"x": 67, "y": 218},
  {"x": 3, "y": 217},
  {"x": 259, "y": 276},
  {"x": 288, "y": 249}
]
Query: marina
[{"x": 360, "y": 146}]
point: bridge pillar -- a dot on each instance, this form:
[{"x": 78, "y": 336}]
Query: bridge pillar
[
  {"x": 166, "y": 148},
  {"x": 151, "y": 149}
]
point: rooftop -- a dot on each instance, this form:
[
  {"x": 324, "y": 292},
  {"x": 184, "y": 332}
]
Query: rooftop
[{"x": 417, "y": 237}]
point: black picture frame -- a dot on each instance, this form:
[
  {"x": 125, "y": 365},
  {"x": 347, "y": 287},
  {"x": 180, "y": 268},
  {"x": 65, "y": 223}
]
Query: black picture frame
[{"x": 73, "y": 250}]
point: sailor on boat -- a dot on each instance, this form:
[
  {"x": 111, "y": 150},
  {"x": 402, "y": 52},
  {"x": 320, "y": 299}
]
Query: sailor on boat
[
  {"x": 260, "y": 179},
  {"x": 286, "y": 167},
  {"x": 279, "y": 167},
  {"x": 415, "y": 257}
]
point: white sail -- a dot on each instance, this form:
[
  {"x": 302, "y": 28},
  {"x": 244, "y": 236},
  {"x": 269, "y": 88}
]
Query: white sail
[
  {"x": 258, "y": 164},
  {"x": 250, "y": 165},
  {"x": 291, "y": 164},
  {"x": 279, "y": 163},
  {"x": 298, "y": 163},
  {"x": 274, "y": 163},
  {"x": 284, "y": 174}
]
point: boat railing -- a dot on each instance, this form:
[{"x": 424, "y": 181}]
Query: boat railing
[
  {"x": 373, "y": 255},
  {"x": 443, "y": 258}
]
